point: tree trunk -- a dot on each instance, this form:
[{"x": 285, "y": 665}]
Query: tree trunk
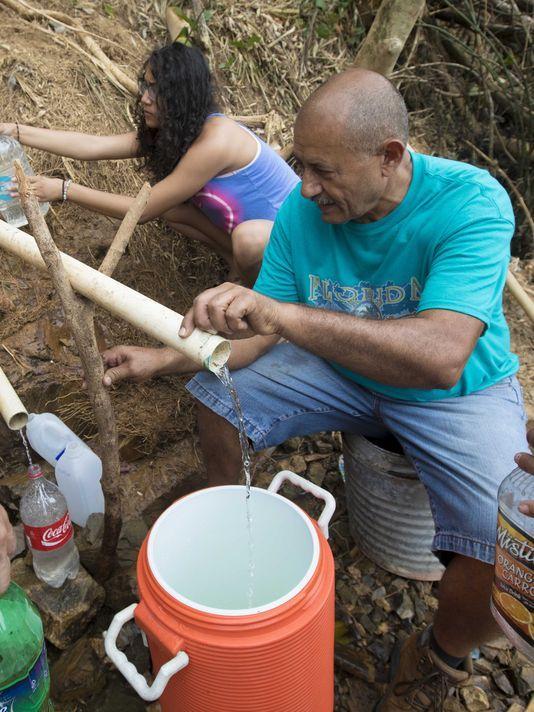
[{"x": 388, "y": 34}]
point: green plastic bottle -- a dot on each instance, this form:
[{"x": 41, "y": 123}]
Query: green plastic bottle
[{"x": 24, "y": 676}]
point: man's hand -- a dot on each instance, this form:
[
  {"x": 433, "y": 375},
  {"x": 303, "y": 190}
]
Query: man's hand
[
  {"x": 7, "y": 547},
  {"x": 134, "y": 363},
  {"x": 233, "y": 311},
  {"x": 526, "y": 463}
]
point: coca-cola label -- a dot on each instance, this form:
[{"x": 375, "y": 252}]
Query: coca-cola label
[{"x": 51, "y": 537}]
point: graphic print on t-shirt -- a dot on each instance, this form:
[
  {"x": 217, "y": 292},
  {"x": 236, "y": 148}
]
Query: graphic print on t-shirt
[{"x": 363, "y": 299}]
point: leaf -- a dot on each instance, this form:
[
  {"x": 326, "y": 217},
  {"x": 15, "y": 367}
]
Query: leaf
[
  {"x": 108, "y": 9},
  {"x": 208, "y": 14},
  {"x": 320, "y": 4},
  {"x": 247, "y": 43}
]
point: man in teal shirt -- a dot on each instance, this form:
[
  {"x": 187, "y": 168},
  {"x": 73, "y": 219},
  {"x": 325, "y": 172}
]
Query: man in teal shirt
[{"x": 384, "y": 277}]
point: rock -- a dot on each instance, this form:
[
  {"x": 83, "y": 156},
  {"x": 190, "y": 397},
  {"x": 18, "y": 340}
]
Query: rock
[
  {"x": 379, "y": 592},
  {"x": 133, "y": 534},
  {"x": 291, "y": 445},
  {"x": 119, "y": 695},
  {"x": 20, "y": 541},
  {"x": 297, "y": 464},
  {"x": 94, "y": 529},
  {"x": 516, "y": 707},
  {"x": 67, "y": 611},
  {"x": 503, "y": 683},
  {"x": 316, "y": 472},
  {"x": 77, "y": 673},
  {"x": 121, "y": 589},
  {"x": 483, "y": 666},
  {"x": 405, "y": 610},
  {"x": 527, "y": 678},
  {"x": 474, "y": 698}
]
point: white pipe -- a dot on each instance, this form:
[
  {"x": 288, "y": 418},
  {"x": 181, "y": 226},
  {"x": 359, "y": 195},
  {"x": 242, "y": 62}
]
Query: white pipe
[
  {"x": 208, "y": 350},
  {"x": 11, "y": 408}
]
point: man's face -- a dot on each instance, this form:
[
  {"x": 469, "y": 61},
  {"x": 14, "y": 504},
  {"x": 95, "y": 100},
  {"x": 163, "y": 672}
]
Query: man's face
[{"x": 344, "y": 183}]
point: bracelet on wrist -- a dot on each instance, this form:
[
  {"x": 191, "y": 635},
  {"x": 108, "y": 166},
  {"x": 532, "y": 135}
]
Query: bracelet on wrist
[{"x": 65, "y": 189}]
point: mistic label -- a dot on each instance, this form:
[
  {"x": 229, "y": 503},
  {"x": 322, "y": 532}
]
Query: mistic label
[
  {"x": 51, "y": 537},
  {"x": 513, "y": 585}
]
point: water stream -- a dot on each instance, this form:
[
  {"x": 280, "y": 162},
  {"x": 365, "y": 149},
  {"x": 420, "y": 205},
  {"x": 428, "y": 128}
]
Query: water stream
[
  {"x": 226, "y": 379},
  {"x": 26, "y": 446}
]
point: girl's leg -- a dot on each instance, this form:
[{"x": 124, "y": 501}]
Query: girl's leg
[
  {"x": 191, "y": 222},
  {"x": 249, "y": 241}
]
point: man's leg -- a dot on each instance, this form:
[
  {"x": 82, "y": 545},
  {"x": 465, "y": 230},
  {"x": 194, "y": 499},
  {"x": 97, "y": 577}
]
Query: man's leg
[
  {"x": 462, "y": 448},
  {"x": 286, "y": 392},
  {"x": 463, "y": 620},
  {"x": 220, "y": 447}
]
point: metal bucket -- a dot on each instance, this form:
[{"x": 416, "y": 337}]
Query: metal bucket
[{"x": 389, "y": 512}]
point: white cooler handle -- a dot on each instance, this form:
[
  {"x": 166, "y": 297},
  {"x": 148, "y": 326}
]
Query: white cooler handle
[
  {"x": 307, "y": 486},
  {"x": 137, "y": 681}
]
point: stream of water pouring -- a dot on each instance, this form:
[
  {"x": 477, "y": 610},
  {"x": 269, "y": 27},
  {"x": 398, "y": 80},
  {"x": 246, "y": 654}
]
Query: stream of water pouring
[
  {"x": 226, "y": 379},
  {"x": 26, "y": 446}
]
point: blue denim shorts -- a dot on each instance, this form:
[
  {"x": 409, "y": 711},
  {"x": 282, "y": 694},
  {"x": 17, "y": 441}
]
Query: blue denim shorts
[{"x": 462, "y": 447}]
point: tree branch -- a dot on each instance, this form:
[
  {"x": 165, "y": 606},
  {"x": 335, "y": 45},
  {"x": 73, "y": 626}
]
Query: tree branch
[{"x": 94, "y": 371}]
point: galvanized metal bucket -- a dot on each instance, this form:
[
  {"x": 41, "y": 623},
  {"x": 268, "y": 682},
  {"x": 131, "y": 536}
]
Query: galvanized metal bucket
[{"x": 389, "y": 512}]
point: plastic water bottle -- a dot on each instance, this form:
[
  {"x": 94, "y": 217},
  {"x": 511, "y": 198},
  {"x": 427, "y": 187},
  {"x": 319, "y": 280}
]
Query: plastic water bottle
[
  {"x": 10, "y": 208},
  {"x": 49, "y": 436},
  {"x": 78, "y": 474},
  {"x": 48, "y": 530},
  {"x": 24, "y": 677}
]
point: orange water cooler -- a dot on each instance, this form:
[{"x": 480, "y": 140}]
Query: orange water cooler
[{"x": 236, "y": 603}]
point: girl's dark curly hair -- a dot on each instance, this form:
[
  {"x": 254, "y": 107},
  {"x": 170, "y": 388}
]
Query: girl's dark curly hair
[{"x": 185, "y": 95}]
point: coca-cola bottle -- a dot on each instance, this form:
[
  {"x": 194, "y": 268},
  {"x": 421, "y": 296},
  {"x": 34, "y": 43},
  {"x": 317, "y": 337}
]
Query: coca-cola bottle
[{"x": 48, "y": 530}]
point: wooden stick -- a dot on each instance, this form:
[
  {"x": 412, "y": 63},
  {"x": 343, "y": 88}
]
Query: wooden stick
[
  {"x": 128, "y": 225},
  {"x": 519, "y": 293},
  {"x": 94, "y": 371}
]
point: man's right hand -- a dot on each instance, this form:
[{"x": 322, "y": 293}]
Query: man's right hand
[
  {"x": 134, "y": 363},
  {"x": 7, "y": 547}
]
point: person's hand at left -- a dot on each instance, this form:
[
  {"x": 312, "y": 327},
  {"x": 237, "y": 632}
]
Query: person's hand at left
[
  {"x": 526, "y": 463},
  {"x": 232, "y": 311},
  {"x": 46, "y": 190},
  {"x": 7, "y": 547}
]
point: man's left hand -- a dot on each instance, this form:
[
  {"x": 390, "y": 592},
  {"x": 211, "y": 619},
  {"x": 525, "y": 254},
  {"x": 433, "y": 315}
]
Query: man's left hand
[
  {"x": 232, "y": 311},
  {"x": 526, "y": 463}
]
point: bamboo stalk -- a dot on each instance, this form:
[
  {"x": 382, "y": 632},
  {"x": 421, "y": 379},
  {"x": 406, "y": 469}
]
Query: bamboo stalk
[{"x": 11, "y": 407}]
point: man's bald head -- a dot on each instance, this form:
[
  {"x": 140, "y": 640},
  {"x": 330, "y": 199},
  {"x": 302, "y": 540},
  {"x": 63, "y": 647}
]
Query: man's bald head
[{"x": 363, "y": 105}]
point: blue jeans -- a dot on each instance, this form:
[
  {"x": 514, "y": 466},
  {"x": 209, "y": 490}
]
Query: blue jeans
[{"x": 462, "y": 447}]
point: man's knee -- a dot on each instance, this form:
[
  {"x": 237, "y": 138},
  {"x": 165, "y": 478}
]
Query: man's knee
[{"x": 249, "y": 241}]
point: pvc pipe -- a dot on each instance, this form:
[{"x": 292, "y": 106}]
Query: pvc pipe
[
  {"x": 11, "y": 408},
  {"x": 208, "y": 350}
]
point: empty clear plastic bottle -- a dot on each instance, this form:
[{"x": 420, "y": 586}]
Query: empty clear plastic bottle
[
  {"x": 48, "y": 530},
  {"x": 10, "y": 208},
  {"x": 512, "y": 600},
  {"x": 24, "y": 677}
]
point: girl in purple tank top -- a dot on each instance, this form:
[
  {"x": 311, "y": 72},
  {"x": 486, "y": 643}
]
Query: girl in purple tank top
[{"x": 214, "y": 180}]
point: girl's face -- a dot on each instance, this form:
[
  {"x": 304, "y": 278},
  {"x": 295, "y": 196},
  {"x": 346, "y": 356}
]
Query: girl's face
[{"x": 149, "y": 99}]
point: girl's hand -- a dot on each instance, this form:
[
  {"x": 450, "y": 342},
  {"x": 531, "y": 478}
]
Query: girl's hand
[
  {"x": 45, "y": 189},
  {"x": 8, "y": 130}
]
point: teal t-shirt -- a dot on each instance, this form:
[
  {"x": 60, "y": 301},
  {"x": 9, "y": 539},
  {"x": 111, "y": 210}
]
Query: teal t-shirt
[{"x": 446, "y": 246}]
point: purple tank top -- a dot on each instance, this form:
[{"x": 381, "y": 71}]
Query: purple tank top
[{"x": 253, "y": 192}]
